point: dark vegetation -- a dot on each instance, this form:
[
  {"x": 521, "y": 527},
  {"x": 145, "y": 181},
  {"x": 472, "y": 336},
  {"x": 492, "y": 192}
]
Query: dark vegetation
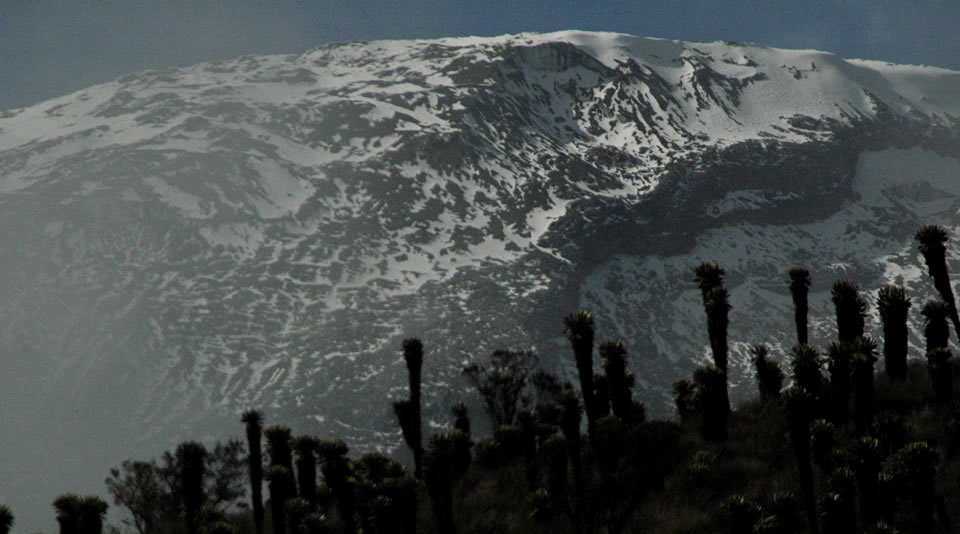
[{"x": 843, "y": 449}]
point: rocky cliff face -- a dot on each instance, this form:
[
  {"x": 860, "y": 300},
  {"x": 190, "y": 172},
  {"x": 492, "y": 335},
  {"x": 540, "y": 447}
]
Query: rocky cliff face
[{"x": 179, "y": 245}]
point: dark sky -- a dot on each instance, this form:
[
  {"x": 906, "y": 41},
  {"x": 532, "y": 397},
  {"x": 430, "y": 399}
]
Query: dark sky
[{"x": 50, "y": 48}]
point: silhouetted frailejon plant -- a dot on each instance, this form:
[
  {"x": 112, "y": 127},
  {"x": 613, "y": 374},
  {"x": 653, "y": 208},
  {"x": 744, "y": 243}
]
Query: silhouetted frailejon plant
[
  {"x": 932, "y": 238},
  {"x": 708, "y": 276},
  {"x": 67, "y": 507},
  {"x": 742, "y": 513},
  {"x": 717, "y": 307},
  {"x": 253, "y": 420},
  {"x": 579, "y": 329},
  {"x": 296, "y": 511},
  {"x": 619, "y": 381},
  {"x": 277, "y": 476},
  {"x": 838, "y": 504},
  {"x": 684, "y": 398},
  {"x": 799, "y": 405},
  {"x": 850, "y": 310},
  {"x": 799, "y": 289},
  {"x": 191, "y": 460},
  {"x": 768, "y": 373},
  {"x": 408, "y": 410},
  {"x": 6, "y": 519},
  {"x": 823, "y": 442},
  {"x": 913, "y": 468},
  {"x": 894, "y": 306},
  {"x": 385, "y": 494},
  {"x": 337, "y": 471},
  {"x": 305, "y": 448},
  {"x": 806, "y": 364},
  {"x": 439, "y": 480},
  {"x": 554, "y": 457},
  {"x": 838, "y": 366},
  {"x": 712, "y": 407},
  {"x": 935, "y": 328},
  {"x": 570, "y": 426},
  {"x": 941, "y": 375},
  {"x": 866, "y": 455},
  {"x": 463, "y": 441},
  {"x": 278, "y": 448},
  {"x": 527, "y": 425},
  {"x": 77, "y": 514},
  {"x": 862, "y": 363}
]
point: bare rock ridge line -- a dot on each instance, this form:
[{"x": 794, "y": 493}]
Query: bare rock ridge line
[{"x": 183, "y": 244}]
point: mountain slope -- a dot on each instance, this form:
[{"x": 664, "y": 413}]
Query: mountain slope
[{"x": 183, "y": 244}]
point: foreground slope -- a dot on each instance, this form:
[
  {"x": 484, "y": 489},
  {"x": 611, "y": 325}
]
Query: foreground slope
[{"x": 182, "y": 244}]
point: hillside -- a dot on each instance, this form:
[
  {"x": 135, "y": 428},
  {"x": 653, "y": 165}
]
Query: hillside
[{"x": 186, "y": 243}]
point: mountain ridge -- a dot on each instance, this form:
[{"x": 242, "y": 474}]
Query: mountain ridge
[{"x": 190, "y": 242}]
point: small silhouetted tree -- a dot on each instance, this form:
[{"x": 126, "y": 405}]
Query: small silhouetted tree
[
  {"x": 894, "y": 306},
  {"x": 153, "y": 492},
  {"x": 799, "y": 290},
  {"x": 137, "y": 487},
  {"x": 253, "y": 421},
  {"x": 768, "y": 373},
  {"x": 579, "y": 328},
  {"x": 936, "y": 331},
  {"x": 850, "y": 310},
  {"x": 503, "y": 385},
  {"x": 932, "y": 238},
  {"x": 408, "y": 410}
]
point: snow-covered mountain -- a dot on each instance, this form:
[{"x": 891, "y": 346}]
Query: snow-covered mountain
[{"x": 179, "y": 245}]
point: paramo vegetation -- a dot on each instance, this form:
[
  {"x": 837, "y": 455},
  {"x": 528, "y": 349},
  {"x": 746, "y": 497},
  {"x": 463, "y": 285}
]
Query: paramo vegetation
[{"x": 843, "y": 449}]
